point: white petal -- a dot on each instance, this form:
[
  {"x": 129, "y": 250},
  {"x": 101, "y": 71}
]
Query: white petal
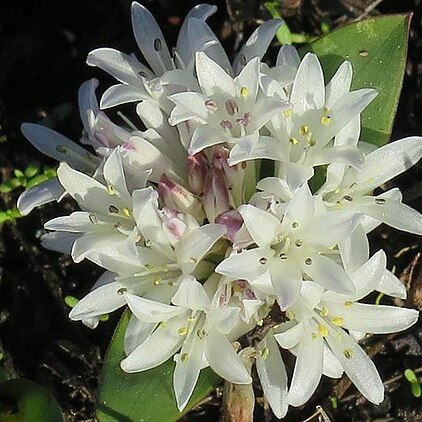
[
  {"x": 300, "y": 209},
  {"x": 339, "y": 84},
  {"x": 308, "y": 91},
  {"x": 191, "y": 295},
  {"x": 59, "y": 242},
  {"x": 193, "y": 246},
  {"x": 388, "y": 161},
  {"x": 290, "y": 337},
  {"x": 286, "y": 279},
  {"x": 262, "y": 225},
  {"x": 272, "y": 375},
  {"x": 391, "y": 285},
  {"x": 121, "y": 66},
  {"x": 328, "y": 274},
  {"x": 354, "y": 249},
  {"x": 115, "y": 176},
  {"x": 157, "y": 348},
  {"x": 331, "y": 366},
  {"x": 308, "y": 369},
  {"x": 376, "y": 319},
  {"x": 103, "y": 300},
  {"x": 357, "y": 365},
  {"x": 48, "y": 191},
  {"x": 212, "y": 78},
  {"x": 204, "y": 137},
  {"x": 150, "y": 39},
  {"x": 186, "y": 372},
  {"x": 257, "y": 43},
  {"x": 329, "y": 229},
  {"x": 77, "y": 222},
  {"x": 245, "y": 265},
  {"x": 136, "y": 333},
  {"x": 288, "y": 56},
  {"x": 223, "y": 359},
  {"x": 147, "y": 310},
  {"x": 122, "y": 94},
  {"x": 392, "y": 212},
  {"x": 57, "y": 146}
]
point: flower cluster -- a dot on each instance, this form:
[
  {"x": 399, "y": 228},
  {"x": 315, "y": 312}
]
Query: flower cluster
[{"x": 197, "y": 245}]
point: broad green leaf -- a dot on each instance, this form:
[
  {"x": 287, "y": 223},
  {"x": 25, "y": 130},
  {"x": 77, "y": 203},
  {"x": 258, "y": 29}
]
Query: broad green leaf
[
  {"x": 146, "y": 396},
  {"x": 377, "y": 49},
  {"x": 24, "y": 400}
]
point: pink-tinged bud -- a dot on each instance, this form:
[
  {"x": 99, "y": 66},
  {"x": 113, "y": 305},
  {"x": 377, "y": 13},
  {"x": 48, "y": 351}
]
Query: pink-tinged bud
[
  {"x": 173, "y": 224},
  {"x": 216, "y": 198},
  {"x": 178, "y": 198},
  {"x": 197, "y": 166},
  {"x": 233, "y": 222},
  {"x": 233, "y": 175}
]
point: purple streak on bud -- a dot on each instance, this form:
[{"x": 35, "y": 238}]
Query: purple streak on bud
[
  {"x": 197, "y": 166},
  {"x": 232, "y": 220},
  {"x": 216, "y": 198},
  {"x": 178, "y": 198}
]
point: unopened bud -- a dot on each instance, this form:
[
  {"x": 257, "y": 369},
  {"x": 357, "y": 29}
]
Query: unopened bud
[
  {"x": 197, "y": 166},
  {"x": 232, "y": 220},
  {"x": 178, "y": 198},
  {"x": 216, "y": 198}
]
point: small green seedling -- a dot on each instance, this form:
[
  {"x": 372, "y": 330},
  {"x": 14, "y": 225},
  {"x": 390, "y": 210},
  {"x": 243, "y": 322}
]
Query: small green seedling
[{"x": 415, "y": 387}]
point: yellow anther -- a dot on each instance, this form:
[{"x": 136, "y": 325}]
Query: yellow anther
[
  {"x": 323, "y": 312},
  {"x": 293, "y": 141},
  {"x": 244, "y": 91},
  {"x": 348, "y": 353},
  {"x": 288, "y": 112},
  {"x": 162, "y": 324},
  {"x": 337, "y": 320},
  {"x": 182, "y": 331},
  {"x": 326, "y": 120},
  {"x": 323, "y": 330},
  {"x": 127, "y": 212},
  {"x": 348, "y": 304},
  {"x": 184, "y": 357},
  {"x": 157, "y": 281},
  {"x": 338, "y": 190},
  {"x": 304, "y": 129},
  {"x": 298, "y": 243},
  {"x": 111, "y": 190},
  {"x": 260, "y": 323},
  {"x": 312, "y": 142},
  {"x": 290, "y": 314},
  {"x": 264, "y": 353},
  {"x": 201, "y": 334}
]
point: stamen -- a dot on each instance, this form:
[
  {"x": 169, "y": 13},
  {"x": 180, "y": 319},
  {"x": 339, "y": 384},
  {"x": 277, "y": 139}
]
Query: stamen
[
  {"x": 308, "y": 261},
  {"x": 113, "y": 209},
  {"x": 61, "y": 149},
  {"x": 264, "y": 353},
  {"x": 293, "y": 141},
  {"x": 158, "y": 44},
  {"x": 231, "y": 107},
  {"x": 337, "y": 321},
  {"x": 304, "y": 129},
  {"x": 348, "y": 353},
  {"x": 244, "y": 91},
  {"x": 211, "y": 105}
]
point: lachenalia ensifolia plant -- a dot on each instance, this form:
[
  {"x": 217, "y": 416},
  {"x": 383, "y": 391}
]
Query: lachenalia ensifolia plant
[{"x": 197, "y": 245}]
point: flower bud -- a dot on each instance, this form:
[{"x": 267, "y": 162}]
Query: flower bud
[
  {"x": 232, "y": 220},
  {"x": 197, "y": 166},
  {"x": 177, "y": 197},
  {"x": 216, "y": 198},
  {"x": 233, "y": 175}
]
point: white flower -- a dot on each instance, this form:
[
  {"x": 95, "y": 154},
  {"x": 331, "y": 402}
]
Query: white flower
[
  {"x": 227, "y": 110},
  {"x": 196, "y": 327},
  {"x": 350, "y": 188},
  {"x": 317, "y": 337},
  {"x": 302, "y": 135},
  {"x": 299, "y": 244}
]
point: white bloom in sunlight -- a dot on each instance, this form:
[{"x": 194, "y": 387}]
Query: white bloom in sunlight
[
  {"x": 168, "y": 246},
  {"x": 316, "y": 333},
  {"x": 302, "y": 243},
  {"x": 107, "y": 211},
  {"x": 196, "y": 328},
  {"x": 227, "y": 110},
  {"x": 303, "y": 135},
  {"x": 350, "y": 188}
]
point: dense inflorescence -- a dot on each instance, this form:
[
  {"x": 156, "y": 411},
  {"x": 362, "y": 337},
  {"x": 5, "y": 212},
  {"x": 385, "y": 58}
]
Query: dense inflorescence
[{"x": 200, "y": 248}]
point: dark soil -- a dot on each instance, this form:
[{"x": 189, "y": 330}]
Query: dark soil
[{"x": 43, "y": 46}]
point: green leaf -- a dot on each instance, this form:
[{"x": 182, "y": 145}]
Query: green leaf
[
  {"x": 146, "y": 396},
  {"x": 24, "y": 400},
  {"x": 377, "y": 49}
]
